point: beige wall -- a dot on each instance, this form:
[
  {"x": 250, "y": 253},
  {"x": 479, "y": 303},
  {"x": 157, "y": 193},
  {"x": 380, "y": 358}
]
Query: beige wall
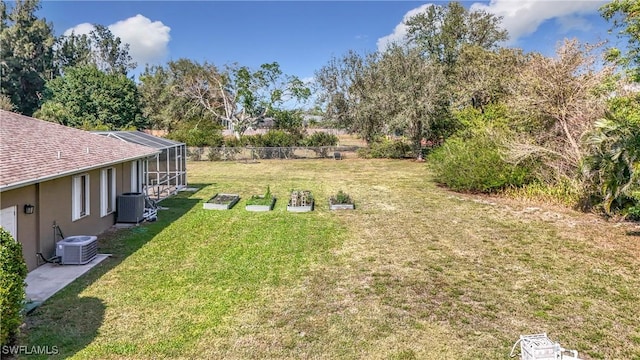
[
  {"x": 54, "y": 205},
  {"x": 27, "y": 224}
]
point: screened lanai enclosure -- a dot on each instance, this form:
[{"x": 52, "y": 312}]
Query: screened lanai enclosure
[{"x": 165, "y": 174}]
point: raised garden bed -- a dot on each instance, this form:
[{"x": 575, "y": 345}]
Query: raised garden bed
[
  {"x": 263, "y": 202},
  {"x": 221, "y": 202},
  {"x": 341, "y": 201},
  {"x": 300, "y": 201}
]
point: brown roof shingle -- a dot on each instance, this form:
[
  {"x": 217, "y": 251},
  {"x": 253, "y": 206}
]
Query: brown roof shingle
[{"x": 33, "y": 150}]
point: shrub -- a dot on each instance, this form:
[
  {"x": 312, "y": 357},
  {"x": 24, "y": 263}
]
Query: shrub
[
  {"x": 321, "y": 138},
  {"x": 475, "y": 164},
  {"x": 264, "y": 199},
  {"x": 341, "y": 198},
  {"x": 385, "y": 149},
  {"x": 611, "y": 166},
  {"x": 13, "y": 271},
  {"x": 198, "y": 136},
  {"x": 567, "y": 192}
]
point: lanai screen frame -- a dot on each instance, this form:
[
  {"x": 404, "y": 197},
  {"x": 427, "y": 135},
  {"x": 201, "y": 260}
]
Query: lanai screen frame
[{"x": 166, "y": 173}]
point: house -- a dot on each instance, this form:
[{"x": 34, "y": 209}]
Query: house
[
  {"x": 56, "y": 175},
  {"x": 167, "y": 172}
]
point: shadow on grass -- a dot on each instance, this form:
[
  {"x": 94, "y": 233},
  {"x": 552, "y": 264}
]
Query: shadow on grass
[{"x": 67, "y": 322}]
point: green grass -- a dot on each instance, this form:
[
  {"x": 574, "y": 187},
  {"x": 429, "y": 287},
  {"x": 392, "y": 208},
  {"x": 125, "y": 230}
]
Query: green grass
[{"x": 416, "y": 272}]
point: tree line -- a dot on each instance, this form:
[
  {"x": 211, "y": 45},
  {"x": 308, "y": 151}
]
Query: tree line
[
  {"x": 497, "y": 118},
  {"x": 564, "y": 126},
  {"x": 81, "y": 80}
]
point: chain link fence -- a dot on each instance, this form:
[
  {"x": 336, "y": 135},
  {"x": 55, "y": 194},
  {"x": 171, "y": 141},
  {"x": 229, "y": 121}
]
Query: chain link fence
[{"x": 259, "y": 153}]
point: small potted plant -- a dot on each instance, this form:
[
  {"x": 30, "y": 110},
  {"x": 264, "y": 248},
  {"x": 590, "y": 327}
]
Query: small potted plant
[
  {"x": 262, "y": 202},
  {"x": 221, "y": 202},
  {"x": 341, "y": 201},
  {"x": 300, "y": 201}
]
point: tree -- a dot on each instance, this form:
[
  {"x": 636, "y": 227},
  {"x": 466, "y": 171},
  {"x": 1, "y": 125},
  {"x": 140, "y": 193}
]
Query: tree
[
  {"x": 72, "y": 50},
  {"x": 625, "y": 15},
  {"x": 100, "y": 48},
  {"x": 409, "y": 94},
  {"x": 26, "y": 54},
  {"x": 560, "y": 98},
  {"x": 483, "y": 77},
  {"x": 442, "y": 31},
  {"x": 109, "y": 53},
  {"x": 346, "y": 86},
  {"x": 240, "y": 97},
  {"x": 288, "y": 120},
  {"x": 162, "y": 101},
  {"x": 86, "y": 97}
]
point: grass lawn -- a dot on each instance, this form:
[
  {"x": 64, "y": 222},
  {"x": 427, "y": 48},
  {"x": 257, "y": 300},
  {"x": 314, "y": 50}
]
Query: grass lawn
[{"x": 415, "y": 272}]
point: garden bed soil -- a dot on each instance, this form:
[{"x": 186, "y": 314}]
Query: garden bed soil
[{"x": 221, "y": 202}]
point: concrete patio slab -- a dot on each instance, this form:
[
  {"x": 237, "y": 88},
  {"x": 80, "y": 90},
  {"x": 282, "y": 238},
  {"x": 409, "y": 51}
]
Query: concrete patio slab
[{"x": 48, "y": 279}]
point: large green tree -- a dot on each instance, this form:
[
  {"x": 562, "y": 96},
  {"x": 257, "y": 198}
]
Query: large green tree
[
  {"x": 395, "y": 92},
  {"x": 100, "y": 48},
  {"x": 625, "y": 15},
  {"x": 239, "y": 96},
  {"x": 409, "y": 94},
  {"x": 88, "y": 98},
  {"x": 484, "y": 77},
  {"x": 26, "y": 54},
  {"x": 442, "y": 31},
  {"x": 72, "y": 50},
  {"x": 346, "y": 87},
  {"x": 163, "y": 104}
]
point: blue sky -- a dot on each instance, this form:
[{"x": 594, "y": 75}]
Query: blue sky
[{"x": 301, "y": 35}]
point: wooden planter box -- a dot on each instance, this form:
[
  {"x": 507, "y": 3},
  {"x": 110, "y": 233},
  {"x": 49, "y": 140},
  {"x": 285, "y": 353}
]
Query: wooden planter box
[
  {"x": 261, "y": 207},
  {"x": 221, "y": 202}
]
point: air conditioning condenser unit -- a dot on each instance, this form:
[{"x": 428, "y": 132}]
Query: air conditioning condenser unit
[{"x": 77, "y": 250}]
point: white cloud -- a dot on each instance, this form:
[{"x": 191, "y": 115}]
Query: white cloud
[
  {"x": 80, "y": 29},
  {"x": 148, "y": 41},
  {"x": 520, "y": 17},
  {"x": 573, "y": 22},
  {"x": 523, "y": 17},
  {"x": 400, "y": 31}
]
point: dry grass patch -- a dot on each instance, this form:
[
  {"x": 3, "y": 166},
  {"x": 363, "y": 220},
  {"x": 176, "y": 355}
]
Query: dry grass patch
[
  {"x": 415, "y": 272},
  {"x": 426, "y": 273}
]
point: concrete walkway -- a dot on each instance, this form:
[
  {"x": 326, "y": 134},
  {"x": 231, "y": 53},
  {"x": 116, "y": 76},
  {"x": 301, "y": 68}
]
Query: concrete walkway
[{"x": 48, "y": 279}]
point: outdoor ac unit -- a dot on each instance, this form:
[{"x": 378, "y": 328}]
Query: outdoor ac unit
[
  {"x": 77, "y": 250},
  {"x": 130, "y": 208}
]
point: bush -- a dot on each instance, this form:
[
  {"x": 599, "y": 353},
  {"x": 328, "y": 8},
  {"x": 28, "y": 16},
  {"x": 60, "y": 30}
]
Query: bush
[
  {"x": 475, "y": 164},
  {"x": 198, "y": 134},
  {"x": 13, "y": 271},
  {"x": 321, "y": 138},
  {"x": 385, "y": 149},
  {"x": 567, "y": 192},
  {"x": 611, "y": 167}
]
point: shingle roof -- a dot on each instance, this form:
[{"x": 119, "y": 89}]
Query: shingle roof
[{"x": 33, "y": 150}]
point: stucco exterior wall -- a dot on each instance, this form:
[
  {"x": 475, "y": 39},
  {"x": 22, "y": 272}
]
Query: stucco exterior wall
[
  {"x": 53, "y": 205},
  {"x": 27, "y": 224}
]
